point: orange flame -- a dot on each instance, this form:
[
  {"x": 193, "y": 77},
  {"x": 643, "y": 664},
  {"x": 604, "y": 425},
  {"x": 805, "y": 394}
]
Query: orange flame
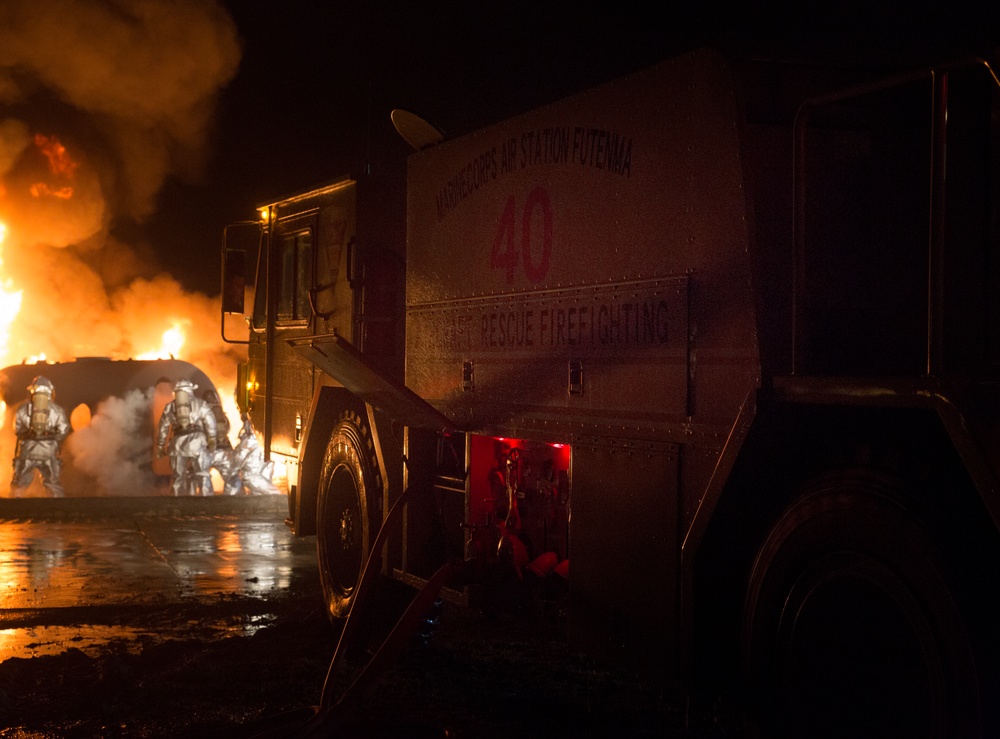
[
  {"x": 10, "y": 302},
  {"x": 170, "y": 345},
  {"x": 40, "y": 188},
  {"x": 60, "y": 164}
]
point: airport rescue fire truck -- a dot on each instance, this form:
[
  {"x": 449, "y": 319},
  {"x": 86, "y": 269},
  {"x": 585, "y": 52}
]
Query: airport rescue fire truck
[{"x": 725, "y": 366}]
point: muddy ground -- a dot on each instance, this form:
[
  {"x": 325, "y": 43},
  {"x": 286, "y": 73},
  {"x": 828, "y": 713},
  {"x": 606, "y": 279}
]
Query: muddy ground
[
  {"x": 245, "y": 659},
  {"x": 508, "y": 675}
]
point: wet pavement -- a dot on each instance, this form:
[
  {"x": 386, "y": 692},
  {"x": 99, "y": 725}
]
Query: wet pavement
[
  {"x": 162, "y": 617},
  {"x": 80, "y": 573}
]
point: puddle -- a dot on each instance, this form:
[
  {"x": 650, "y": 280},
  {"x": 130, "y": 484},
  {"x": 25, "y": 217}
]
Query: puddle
[
  {"x": 92, "y": 640},
  {"x": 203, "y": 572}
]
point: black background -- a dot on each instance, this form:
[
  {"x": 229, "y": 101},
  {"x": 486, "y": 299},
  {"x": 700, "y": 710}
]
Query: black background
[{"x": 317, "y": 81}]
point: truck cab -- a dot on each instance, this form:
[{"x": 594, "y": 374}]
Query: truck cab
[{"x": 328, "y": 262}]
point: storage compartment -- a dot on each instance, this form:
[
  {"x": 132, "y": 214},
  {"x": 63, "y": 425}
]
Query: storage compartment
[{"x": 518, "y": 539}]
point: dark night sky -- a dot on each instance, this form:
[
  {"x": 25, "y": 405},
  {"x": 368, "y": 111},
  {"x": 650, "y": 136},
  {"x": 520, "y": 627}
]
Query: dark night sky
[{"x": 317, "y": 81}]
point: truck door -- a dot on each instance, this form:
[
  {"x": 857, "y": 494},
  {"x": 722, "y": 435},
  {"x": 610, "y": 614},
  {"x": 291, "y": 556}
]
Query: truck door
[{"x": 282, "y": 381}]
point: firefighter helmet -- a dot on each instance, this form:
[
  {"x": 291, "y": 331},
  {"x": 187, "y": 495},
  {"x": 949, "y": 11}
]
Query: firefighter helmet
[
  {"x": 185, "y": 386},
  {"x": 41, "y": 385}
]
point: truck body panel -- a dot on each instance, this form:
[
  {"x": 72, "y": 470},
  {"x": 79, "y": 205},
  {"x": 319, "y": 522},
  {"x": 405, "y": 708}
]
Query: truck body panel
[{"x": 555, "y": 238}]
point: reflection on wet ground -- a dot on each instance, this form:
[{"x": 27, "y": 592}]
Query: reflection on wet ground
[
  {"x": 79, "y": 574},
  {"x": 91, "y": 639}
]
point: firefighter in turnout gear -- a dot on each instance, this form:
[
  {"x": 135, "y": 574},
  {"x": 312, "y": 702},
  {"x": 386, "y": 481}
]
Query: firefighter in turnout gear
[
  {"x": 187, "y": 433},
  {"x": 40, "y": 425},
  {"x": 248, "y": 460},
  {"x": 223, "y": 458}
]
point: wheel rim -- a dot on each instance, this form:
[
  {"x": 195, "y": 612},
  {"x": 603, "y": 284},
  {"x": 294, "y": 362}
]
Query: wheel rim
[{"x": 342, "y": 523}]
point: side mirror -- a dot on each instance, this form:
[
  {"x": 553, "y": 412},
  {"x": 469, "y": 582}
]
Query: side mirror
[{"x": 234, "y": 280}]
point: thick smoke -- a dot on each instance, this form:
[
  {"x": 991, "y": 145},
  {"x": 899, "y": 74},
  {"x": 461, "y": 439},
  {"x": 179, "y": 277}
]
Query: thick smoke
[
  {"x": 100, "y": 102},
  {"x": 115, "y": 449},
  {"x": 143, "y": 74}
]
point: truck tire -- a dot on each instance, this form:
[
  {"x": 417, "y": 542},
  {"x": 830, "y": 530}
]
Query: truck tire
[
  {"x": 347, "y": 508},
  {"x": 850, "y": 624}
]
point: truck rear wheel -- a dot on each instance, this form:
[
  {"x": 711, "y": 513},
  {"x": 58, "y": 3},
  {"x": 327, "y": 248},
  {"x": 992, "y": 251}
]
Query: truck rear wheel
[
  {"x": 850, "y": 624},
  {"x": 347, "y": 506}
]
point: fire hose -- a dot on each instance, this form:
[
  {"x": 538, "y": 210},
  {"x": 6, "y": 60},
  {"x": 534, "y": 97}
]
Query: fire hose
[{"x": 335, "y": 713}]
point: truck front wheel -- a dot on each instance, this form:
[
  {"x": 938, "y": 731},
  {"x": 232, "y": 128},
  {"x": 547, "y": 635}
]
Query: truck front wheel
[
  {"x": 850, "y": 624},
  {"x": 347, "y": 504}
]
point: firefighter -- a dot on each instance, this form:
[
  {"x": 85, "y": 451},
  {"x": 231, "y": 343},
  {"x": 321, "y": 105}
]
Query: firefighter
[
  {"x": 40, "y": 425},
  {"x": 187, "y": 432},
  {"x": 224, "y": 457},
  {"x": 254, "y": 472}
]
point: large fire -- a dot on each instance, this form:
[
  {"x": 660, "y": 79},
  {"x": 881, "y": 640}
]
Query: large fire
[
  {"x": 53, "y": 307},
  {"x": 119, "y": 324},
  {"x": 94, "y": 121}
]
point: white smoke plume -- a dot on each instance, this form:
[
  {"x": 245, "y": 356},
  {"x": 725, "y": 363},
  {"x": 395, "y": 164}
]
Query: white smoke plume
[
  {"x": 100, "y": 102},
  {"x": 115, "y": 448}
]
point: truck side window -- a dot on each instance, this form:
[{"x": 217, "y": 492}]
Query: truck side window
[
  {"x": 993, "y": 230},
  {"x": 378, "y": 315},
  {"x": 866, "y": 216},
  {"x": 296, "y": 276},
  {"x": 331, "y": 243},
  {"x": 967, "y": 314},
  {"x": 260, "y": 290}
]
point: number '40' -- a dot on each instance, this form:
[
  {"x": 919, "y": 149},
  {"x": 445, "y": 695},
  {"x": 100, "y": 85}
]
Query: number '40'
[{"x": 505, "y": 252}]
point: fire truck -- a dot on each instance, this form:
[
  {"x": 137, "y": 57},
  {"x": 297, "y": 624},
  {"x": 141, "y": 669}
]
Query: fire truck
[{"x": 705, "y": 359}]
